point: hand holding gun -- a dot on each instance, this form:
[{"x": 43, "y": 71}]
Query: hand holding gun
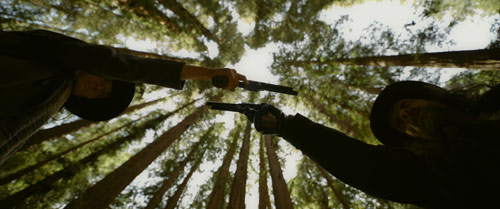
[
  {"x": 266, "y": 118},
  {"x": 221, "y": 81}
]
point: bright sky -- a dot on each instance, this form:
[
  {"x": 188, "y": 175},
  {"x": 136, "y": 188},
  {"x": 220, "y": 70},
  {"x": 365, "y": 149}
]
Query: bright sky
[{"x": 255, "y": 64}]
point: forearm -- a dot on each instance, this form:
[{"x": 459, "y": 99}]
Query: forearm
[
  {"x": 344, "y": 157},
  {"x": 490, "y": 101},
  {"x": 191, "y": 72},
  {"x": 381, "y": 171},
  {"x": 106, "y": 62},
  {"x": 75, "y": 55}
]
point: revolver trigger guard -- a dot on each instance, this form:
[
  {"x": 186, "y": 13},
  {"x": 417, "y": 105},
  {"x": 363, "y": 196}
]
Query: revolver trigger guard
[{"x": 250, "y": 114}]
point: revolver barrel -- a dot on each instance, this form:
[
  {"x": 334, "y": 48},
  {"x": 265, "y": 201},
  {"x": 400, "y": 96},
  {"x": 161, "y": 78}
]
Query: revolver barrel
[{"x": 257, "y": 86}]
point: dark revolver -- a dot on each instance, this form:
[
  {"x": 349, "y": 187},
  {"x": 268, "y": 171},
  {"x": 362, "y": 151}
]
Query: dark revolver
[{"x": 246, "y": 108}]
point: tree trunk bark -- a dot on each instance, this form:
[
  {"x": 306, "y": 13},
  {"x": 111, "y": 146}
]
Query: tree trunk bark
[
  {"x": 483, "y": 59},
  {"x": 281, "y": 195},
  {"x": 173, "y": 201},
  {"x": 102, "y": 193},
  {"x": 147, "y": 8},
  {"x": 68, "y": 172},
  {"x": 182, "y": 12},
  {"x": 264, "y": 201},
  {"x": 156, "y": 199},
  {"x": 47, "y": 134},
  {"x": 218, "y": 192},
  {"x": 51, "y": 133},
  {"x": 238, "y": 188},
  {"x": 143, "y": 105},
  {"x": 323, "y": 199},
  {"x": 45, "y": 185},
  {"x": 337, "y": 194},
  {"x": 26, "y": 170}
]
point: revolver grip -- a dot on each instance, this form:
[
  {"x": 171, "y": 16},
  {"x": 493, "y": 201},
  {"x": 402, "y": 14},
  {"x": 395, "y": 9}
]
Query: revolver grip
[{"x": 220, "y": 81}]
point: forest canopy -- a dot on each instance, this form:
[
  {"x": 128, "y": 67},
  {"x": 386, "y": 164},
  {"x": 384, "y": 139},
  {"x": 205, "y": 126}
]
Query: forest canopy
[{"x": 337, "y": 59}]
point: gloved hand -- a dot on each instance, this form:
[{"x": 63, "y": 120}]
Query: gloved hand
[
  {"x": 268, "y": 119},
  {"x": 226, "y": 78}
]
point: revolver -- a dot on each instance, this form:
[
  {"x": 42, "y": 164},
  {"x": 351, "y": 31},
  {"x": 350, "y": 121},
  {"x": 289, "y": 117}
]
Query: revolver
[{"x": 265, "y": 124}]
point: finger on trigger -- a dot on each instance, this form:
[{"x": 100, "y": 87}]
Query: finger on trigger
[{"x": 244, "y": 79}]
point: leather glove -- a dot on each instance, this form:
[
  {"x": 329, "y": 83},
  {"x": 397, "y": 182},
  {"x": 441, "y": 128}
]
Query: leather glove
[{"x": 268, "y": 119}]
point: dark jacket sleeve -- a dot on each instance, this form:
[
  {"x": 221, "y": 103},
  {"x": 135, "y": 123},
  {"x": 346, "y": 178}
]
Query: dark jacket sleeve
[
  {"x": 381, "y": 171},
  {"x": 78, "y": 56},
  {"x": 490, "y": 101}
]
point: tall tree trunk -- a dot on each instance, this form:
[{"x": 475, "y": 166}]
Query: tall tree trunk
[
  {"x": 103, "y": 192},
  {"x": 68, "y": 172},
  {"x": 51, "y": 133},
  {"x": 323, "y": 199},
  {"x": 18, "y": 174},
  {"x": 146, "y": 8},
  {"x": 335, "y": 191},
  {"x": 47, "y": 134},
  {"x": 484, "y": 59},
  {"x": 143, "y": 105},
  {"x": 174, "y": 200},
  {"x": 44, "y": 185},
  {"x": 29, "y": 169},
  {"x": 156, "y": 199},
  {"x": 264, "y": 201},
  {"x": 281, "y": 195},
  {"x": 182, "y": 12},
  {"x": 218, "y": 192},
  {"x": 238, "y": 188}
]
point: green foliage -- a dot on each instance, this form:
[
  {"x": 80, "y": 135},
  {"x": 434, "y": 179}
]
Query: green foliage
[
  {"x": 339, "y": 96},
  {"x": 307, "y": 189},
  {"x": 459, "y": 9},
  {"x": 495, "y": 28},
  {"x": 474, "y": 83}
]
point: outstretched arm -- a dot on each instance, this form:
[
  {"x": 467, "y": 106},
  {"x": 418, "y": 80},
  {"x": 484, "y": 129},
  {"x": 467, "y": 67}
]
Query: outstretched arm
[
  {"x": 381, "y": 171},
  {"x": 76, "y": 55}
]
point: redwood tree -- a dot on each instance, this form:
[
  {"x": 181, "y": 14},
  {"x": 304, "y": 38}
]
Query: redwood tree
[
  {"x": 264, "y": 201},
  {"x": 482, "y": 59},
  {"x": 282, "y": 198},
  {"x": 18, "y": 199},
  {"x": 103, "y": 192},
  {"x": 29, "y": 169},
  {"x": 173, "y": 201},
  {"x": 336, "y": 193},
  {"x": 156, "y": 199},
  {"x": 237, "y": 195},
  {"x": 57, "y": 131},
  {"x": 218, "y": 192}
]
